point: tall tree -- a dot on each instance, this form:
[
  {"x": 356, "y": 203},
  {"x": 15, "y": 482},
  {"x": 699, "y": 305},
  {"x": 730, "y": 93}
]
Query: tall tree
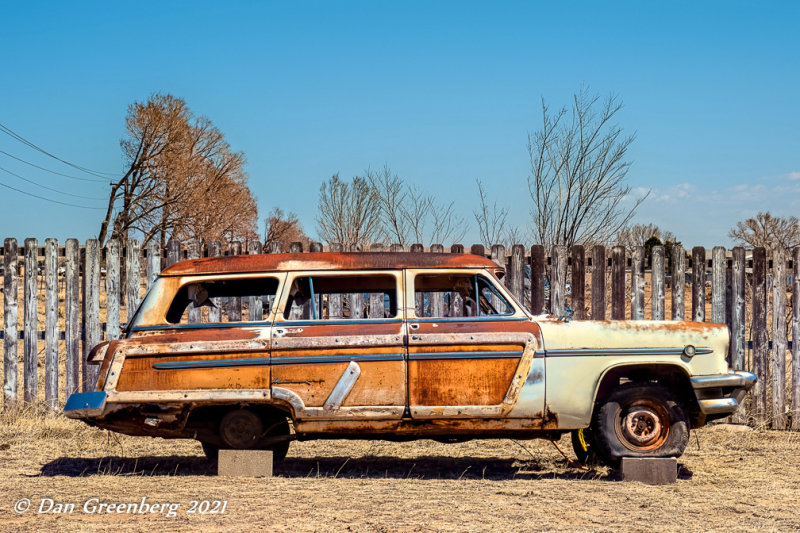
[
  {"x": 348, "y": 213},
  {"x": 182, "y": 179},
  {"x": 285, "y": 229},
  {"x": 768, "y": 231},
  {"x": 578, "y": 168}
]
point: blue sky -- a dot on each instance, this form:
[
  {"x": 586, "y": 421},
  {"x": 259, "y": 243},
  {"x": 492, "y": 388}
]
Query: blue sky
[{"x": 443, "y": 92}]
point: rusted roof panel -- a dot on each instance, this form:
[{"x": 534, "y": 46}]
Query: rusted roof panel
[{"x": 325, "y": 261}]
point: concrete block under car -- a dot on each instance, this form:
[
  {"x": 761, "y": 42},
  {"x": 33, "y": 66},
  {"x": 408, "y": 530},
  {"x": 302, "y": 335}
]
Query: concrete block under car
[
  {"x": 245, "y": 463},
  {"x": 650, "y": 470}
]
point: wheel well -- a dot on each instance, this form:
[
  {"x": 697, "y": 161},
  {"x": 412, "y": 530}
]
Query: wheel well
[
  {"x": 204, "y": 420},
  {"x": 670, "y": 376}
]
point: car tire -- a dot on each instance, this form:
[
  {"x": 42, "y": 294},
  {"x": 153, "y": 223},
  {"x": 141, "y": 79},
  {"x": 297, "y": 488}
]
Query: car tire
[
  {"x": 640, "y": 420},
  {"x": 211, "y": 450},
  {"x": 278, "y": 428}
]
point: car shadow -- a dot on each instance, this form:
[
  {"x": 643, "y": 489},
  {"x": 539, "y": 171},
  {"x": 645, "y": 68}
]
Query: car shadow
[{"x": 367, "y": 467}]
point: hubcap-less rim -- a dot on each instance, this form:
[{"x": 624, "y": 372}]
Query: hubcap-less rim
[
  {"x": 241, "y": 429},
  {"x": 643, "y": 426}
]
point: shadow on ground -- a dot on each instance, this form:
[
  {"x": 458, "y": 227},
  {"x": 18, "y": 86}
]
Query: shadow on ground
[{"x": 370, "y": 467}]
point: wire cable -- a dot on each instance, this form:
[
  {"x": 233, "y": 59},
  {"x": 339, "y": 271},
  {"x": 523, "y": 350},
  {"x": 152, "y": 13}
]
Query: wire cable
[
  {"x": 8, "y": 131},
  {"x": 48, "y": 199},
  {"x": 50, "y": 188},
  {"x": 52, "y": 171}
]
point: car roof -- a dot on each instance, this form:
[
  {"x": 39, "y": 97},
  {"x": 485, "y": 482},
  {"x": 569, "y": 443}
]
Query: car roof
[{"x": 326, "y": 261}]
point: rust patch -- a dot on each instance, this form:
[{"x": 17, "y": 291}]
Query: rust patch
[{"x": 459, "y": 382}]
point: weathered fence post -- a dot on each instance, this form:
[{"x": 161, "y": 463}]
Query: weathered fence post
[
  {"x": 91, "y": 309},
  {"x": 517, "y": 272},
  {"x": 335, "y": 303},
  {"x": 437, "y": 297},
  {"x": 499, "y": 257},
  {"x": 718, "y": 267},
  {"x": 394, "y": 248},
  {"x": 235, "y": 302},
  {"x": 598, "y": 282},
  {"x": 558, "y": 282},
  {"x": 578, "y": 282},
  {"x": 657, "y": 293},
  {"x": 275, "y": 247},
  {"x": 194, "y": 314},
  {"x": 456, "y": 249},
  {"x": 678, "y": 282},
  {"x": 173, "y": 252},
  {"x": 796, "y": 339},
  {"x": 255, "y": 306},
  {"x": 133, "y": 277},
  {"x": 618, "y": 283},
  {"x": 112, "y": 289},
  {"x": 698, "y": 284},
  {"x": 72, "y": 318},
  {"x": 738, "y": 318},
  {"x": 51, "y": 324},
  {"x": 637, "y": 283},
  {"x": 778, "y": 338},
  {"x": 214, "y": 311},
  {"x": 477, "y": 249},
  {"x": 537, "y": 279},
  {"x": 760, "y": 341},
  {"x": 10, "y": 319},
  {"x": 31, "y": 332},
  {"x": 152, "y": 270},
  {"x": 376, "y": 298}
]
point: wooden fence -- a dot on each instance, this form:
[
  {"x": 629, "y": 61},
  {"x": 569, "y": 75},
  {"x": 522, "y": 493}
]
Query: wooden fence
[{"x": 77, "y": 291}]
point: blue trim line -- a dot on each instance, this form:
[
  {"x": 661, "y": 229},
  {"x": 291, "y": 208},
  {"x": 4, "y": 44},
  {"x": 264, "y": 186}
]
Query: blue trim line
[
  {"x": 263, "y": 324},
  {"x": 597, "y": 352},
  {"x": 336, "y": 322},
  {"x": 344, "y": 358},
  {"x": 471, "y": 319},
  {"x": 463, "y": 355},
  {"x": 260, "y": 361}
]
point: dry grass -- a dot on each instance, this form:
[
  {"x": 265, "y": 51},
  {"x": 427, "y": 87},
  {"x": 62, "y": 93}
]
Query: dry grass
[{"x": 730, "y": 480}]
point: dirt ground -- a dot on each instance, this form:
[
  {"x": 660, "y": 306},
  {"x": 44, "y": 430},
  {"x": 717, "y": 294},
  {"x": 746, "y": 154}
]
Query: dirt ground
[{"x": 730, "y": 479}]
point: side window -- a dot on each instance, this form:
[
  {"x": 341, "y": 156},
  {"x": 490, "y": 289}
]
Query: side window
[
  {"x": 457, "y": 296},
  {"x": 217, "y": 301},
  {"x": 342, "y": 298}
]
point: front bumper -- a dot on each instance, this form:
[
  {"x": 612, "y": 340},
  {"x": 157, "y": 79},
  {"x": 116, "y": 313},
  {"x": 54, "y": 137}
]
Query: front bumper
[
  {"x": 85, "y": 405},
  {"x": 720, "y": 395}
]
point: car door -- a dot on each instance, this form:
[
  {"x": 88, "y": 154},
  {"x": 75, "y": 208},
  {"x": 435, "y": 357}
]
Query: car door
[
  {"x": 470, "y": 350},
  {"x": 337, "y": 345}
]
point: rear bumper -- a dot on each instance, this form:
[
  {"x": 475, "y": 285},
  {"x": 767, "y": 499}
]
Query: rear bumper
[
  {"x": 723, "y": 393},
  {"x": 85, "y": 405}
]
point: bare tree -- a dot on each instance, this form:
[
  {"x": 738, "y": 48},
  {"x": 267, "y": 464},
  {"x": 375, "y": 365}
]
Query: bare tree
[
  {"x": 448, "y": 226},
  {"x": 283, "y": 228},
  {"x": 640, "y": 234},
  {"x": 578, "y": 169},
  {"x": 392, "y": 197},
  {"x": 491, "y": 220},
  {"x": 768, "y": 231},
  {"x": 182, "y": 179},
  {"x": 349, "y": 213}
]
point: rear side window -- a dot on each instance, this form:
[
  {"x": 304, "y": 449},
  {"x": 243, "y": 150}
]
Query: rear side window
[
  {"x": 354, "y": 297},
  {"x": 457, "y": 296},
  {"x": 231, "y": 300}
]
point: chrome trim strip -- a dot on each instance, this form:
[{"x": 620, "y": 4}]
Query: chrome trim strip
[
  {"x": 416, "y": 356},
  {"x": 737, "y": 379},
  {"x": 597, "y": 352},
  {"x": 263, "y": 324},
  {"x": 343, "y": 358},
  {"x": 343, "y": 387},
  {"x": 216, "y": 363},
  {"x": 471, "y": 319},
  {"x": 337, "y": 322},
  {"x": 718, "y": 406}
]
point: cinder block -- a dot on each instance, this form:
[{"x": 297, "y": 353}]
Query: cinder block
[
  {"x": 650, "y": 470},
  {"x": 245, "y": 463}
]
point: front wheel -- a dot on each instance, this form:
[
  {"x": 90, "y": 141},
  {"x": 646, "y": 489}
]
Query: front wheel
[{"x": 640, "y": 420}]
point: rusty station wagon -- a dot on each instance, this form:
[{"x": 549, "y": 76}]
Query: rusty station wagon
[{"x": 255, "y": 351}]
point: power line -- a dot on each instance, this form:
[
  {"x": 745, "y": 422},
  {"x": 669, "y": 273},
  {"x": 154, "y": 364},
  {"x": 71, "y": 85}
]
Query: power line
[
  {"x": 50, "y": 188},
  {"x": 8, "y": 131},
  {"x": 52, "y": 171},
  {"x": 48, "y": 199}
]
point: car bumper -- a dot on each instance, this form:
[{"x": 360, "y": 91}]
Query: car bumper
[
  {"x": 85, "y": 405},
  {"x": 722, "y": 394}
]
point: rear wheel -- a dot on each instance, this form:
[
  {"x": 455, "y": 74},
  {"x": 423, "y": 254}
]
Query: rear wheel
[
  {"x": 640, "y": 420},
  {"x": 243, "y": 429}
]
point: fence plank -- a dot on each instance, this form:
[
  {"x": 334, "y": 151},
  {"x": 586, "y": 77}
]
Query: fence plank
[
  {"x": 51, "y": 324},
  {"x": 477, "y": 249},
  {"x": 457, "y": 249},
  {"x": 419, "y": 298},
  {"x": 133, "y": 277},
  {"x": 255, "y": 305},
  {"x": 760, "y": 340},
  {"x": 778, "y": 338},
  {"x": 618, "y": 283},
  {"x": 215, "y": 311},
  {"x": 112, "y": 290},
  {"x": 738, "y": 309},
  {"x": 194, "y": 314},
  {"x": 517, "y": 272},
  {"x": 235, "y": 303},
  {"x": 335, "y": 303},
  {"x": 275, "y": 247},
  {"x": 637, "y": 283},
  {"x": 91, "y": 309},
  {"x": 376, "y": 298},
  {"x": 718, "y": 267},
  {"x": 152, "y": 270},
  {"x": 657, "y": 293},
  {"x": 598, "y": 282},
  {"x": 437, "y": 298},
  {"x": 499, "y": 257},
  {"x": 537, "y": 279},
  {"x": 698, "y": 284},
  {"x": 31, "y": 321},
  {"x": 796, "y": 339},
  {"x": 72, "y": 318},
  {"x": 397, "y": 248},
  {"x": 10, "y": 319},
  {"x": 173, "y": 252},
  {"x": 578, "y": 282},
  {"x": 315, "y": 246},
  {"x": 558, "y": 281},
  {"x": 678, "y": 282}
]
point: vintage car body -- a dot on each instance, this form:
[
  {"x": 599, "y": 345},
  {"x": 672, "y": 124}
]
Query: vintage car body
[{"x": 253, "y": 351}]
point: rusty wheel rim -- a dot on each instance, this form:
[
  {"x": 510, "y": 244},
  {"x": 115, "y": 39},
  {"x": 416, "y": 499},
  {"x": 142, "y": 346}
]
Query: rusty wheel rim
[
  {"x": 240, "y": 429},
  {"x": 643, "y": 426}
]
